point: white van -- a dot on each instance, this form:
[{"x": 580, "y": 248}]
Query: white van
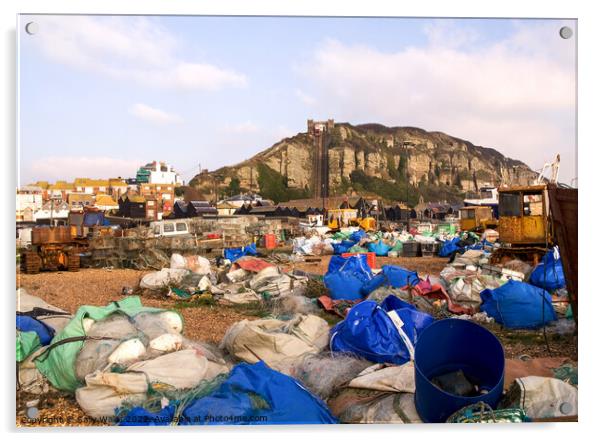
[{"x": 176, "y": 227}]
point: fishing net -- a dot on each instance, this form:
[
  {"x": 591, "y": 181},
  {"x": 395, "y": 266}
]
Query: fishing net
[
  {"x": 161, "y": 396},
  {"x": 325, "y": 372}
]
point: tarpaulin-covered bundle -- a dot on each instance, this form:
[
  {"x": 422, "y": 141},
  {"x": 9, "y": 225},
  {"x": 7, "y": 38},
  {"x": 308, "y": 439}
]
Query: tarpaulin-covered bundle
[
  {"x": 518, "y": 305},
  {"x": 274, "y": 341},
  {"x": 106, "y": 391},
  {"x": 379, "y": 248},
  {"x": 343, "y": 247},
  {"x": 465, "y": 286},
  {"x": 57, "y": 364},
  {"x": 346, "y": 277},
  {"x": 233, "y": 254},
  {"x": 252, "y": 394},
  {"x": 384, "y": 333},
  {"x": 379, "y": 394},
  {"x": 549, "y": 274},
  {"x": 393, "y": 276},
  {"x": 449, "y": 247},
  {"x": 356, "y": 236}
]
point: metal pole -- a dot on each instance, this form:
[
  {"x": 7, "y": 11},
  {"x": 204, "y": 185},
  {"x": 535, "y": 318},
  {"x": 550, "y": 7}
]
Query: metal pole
[{"x": 407, "y": 189}]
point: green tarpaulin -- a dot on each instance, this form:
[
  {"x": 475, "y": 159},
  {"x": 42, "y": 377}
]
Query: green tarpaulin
[
  {"x": 58, "y": 364},
  {"x": 27, "y": 342}
]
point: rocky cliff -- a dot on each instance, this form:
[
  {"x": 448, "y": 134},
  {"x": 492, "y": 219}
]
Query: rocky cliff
[{"x": 375, "y": 158}]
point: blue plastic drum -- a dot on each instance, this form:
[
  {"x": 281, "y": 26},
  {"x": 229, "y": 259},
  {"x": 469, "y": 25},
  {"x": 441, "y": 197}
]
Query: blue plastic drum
[{"x": 450, "y": 345}]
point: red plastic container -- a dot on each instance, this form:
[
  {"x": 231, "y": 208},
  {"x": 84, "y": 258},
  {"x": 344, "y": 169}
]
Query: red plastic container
[
  {"x": 213, "y": 235},
  {"x": 270, "y": 241},
  {"x": 371, "y": 258}
]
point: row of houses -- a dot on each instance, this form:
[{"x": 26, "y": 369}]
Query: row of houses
[
  {"x": 152, "y": 192},
  {"x": 31, "y": 207}
]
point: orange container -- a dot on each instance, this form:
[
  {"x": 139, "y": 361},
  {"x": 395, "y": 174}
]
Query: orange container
[
  {"x": 371, "y": 258},
  {"x": 270, "y": 241}
]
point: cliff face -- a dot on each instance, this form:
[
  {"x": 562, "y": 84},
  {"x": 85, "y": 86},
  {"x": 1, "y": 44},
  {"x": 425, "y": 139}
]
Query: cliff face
[{"x": 428, "y": 159}]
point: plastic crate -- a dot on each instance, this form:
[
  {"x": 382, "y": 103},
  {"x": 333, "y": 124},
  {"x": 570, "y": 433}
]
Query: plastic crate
[{"x": 411, "y": 249}]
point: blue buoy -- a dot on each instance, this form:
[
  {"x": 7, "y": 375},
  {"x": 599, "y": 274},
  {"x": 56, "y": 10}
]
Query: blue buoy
[{"x": 453, "y": 345}]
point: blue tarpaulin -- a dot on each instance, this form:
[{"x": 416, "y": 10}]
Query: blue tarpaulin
[
  {"x": 393, "y": 276},
  {"x": 518, "y": 305},
  {"x": 252, "y": 394},
  {"x": 549, "y": 274},
  {"x": 449, "y": 247},
  {"x": 26, "y": 324},
  {"x": 370, "y": 332},
  {"x": 233, "y": 254},
  {"x": 356, "y": 236},
  {"x": 346, "y": 277},
  {"x": 343, "y": 247},
  {"x": 92, "y": 218},
  {"x": 379, "y": 248}
]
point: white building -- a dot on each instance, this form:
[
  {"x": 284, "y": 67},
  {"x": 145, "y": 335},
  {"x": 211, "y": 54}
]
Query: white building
[
  {"x": 29, "y": 200},
  {"x": 159, "y": 173}
]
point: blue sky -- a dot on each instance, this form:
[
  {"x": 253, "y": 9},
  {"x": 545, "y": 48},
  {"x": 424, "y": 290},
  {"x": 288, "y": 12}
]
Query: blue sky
[{"x": 101, "y": 95}]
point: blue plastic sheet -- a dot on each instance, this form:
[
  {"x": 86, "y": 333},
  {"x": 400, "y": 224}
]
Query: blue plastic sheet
[
  {"x": 357, "y": 236},
  {"x": 379, "y": 248},
  {"x": 368, "y": 331},
  {"x": 26, "y": 324},
  {"x": 252, "y": 394},
  {"x": 343, "y": 247},
  {"x": 393, "y": 276},
  {"x": 346, "y": 277},
  {"x": 92, "y": 218},
  {"x": 549, "y": 274},
  {"x": 449, "y": 247},
  {"x": 233, "y": 254},
  {"x": 518, "y": 305}
]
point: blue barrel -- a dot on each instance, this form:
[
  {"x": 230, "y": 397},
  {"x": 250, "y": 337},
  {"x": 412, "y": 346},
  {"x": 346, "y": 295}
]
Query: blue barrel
[{"x": 450, "y": 345}]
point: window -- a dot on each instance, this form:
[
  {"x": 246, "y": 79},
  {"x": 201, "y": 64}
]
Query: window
[
  {"x": 157, "y": 229},
  {"x": 168, "y": 228},
  {"x": 151, "y": 203},
  {"x": 181, "y": 226},
  {"x": 532, "y": 204},
  {"x": 150, "y": 213},
  {"x": 467, "y": 214},
  {"x": 510, "y": 204}
]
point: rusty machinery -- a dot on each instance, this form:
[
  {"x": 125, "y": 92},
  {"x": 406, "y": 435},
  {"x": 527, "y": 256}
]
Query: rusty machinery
[
  {"x": 534, "y": 218},
  {"x": 524, "y": 224},
  {"x": 59, "y": 247},
  {"x": 477, "y": 218},
  {"x": 52, "y": 249}
]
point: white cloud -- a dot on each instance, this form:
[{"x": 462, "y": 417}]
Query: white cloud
[
  {"x": 516, "y": 95},
  {"x": 153, "y": 114},
  {"x": 136, "y": 49},
  {"x": 54, "y": 168},
  {"x": 305, "y": 98}
]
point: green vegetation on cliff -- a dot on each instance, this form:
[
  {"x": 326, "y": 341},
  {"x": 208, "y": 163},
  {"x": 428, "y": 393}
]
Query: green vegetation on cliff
[{"x": 272, "y": 185}]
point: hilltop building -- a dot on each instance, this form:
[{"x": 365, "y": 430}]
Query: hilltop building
[{"x": 158, "y": 173}]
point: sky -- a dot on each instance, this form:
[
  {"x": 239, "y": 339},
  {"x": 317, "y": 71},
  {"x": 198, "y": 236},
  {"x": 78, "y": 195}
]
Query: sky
[{"x": 100, "y": 96}]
